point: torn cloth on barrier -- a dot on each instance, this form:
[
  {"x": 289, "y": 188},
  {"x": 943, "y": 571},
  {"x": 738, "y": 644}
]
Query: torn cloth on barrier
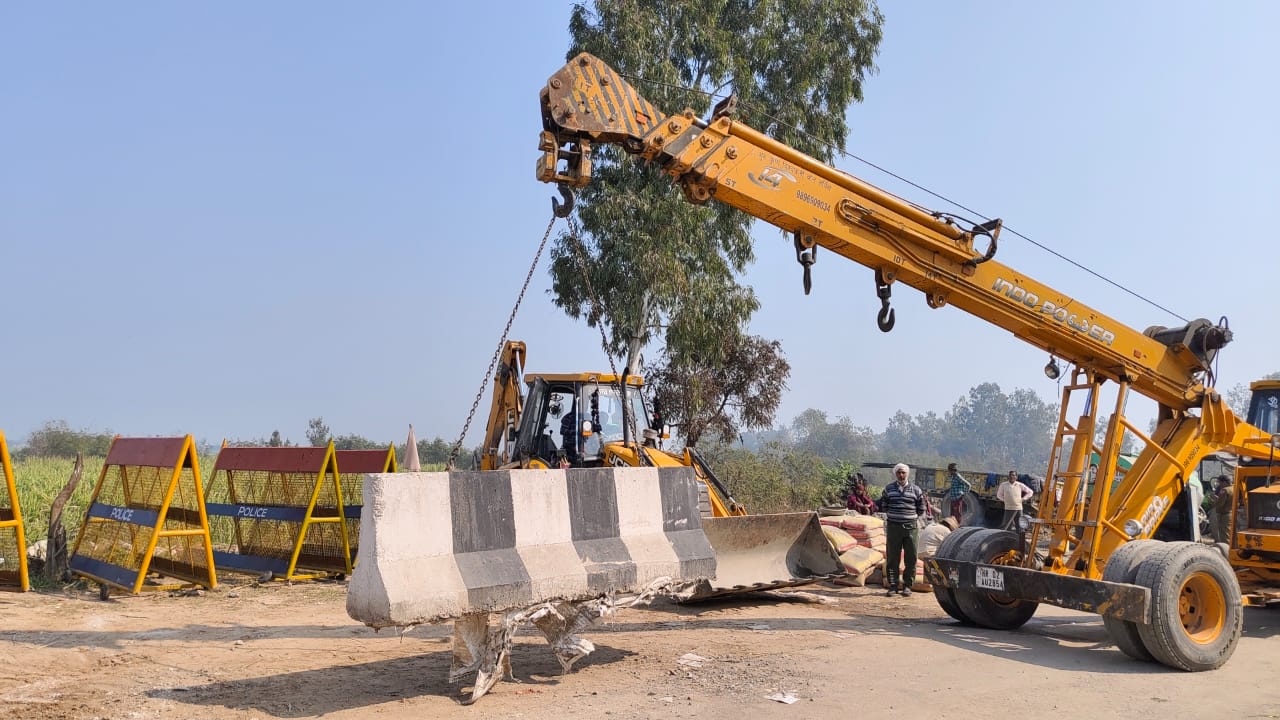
[{"x": 486, "y": 650}]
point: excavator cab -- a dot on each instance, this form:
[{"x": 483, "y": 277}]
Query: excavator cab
[{"x": 575, "y": 417}]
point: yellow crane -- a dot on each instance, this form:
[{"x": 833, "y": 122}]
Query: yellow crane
[{"x": 1173, "y": 600}]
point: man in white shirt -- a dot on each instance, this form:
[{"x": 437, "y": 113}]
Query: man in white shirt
[{"x": 1012, "y": 493}]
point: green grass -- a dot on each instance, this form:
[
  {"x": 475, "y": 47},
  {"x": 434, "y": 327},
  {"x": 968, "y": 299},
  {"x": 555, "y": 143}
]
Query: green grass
[{"x": 40, "y": 480}]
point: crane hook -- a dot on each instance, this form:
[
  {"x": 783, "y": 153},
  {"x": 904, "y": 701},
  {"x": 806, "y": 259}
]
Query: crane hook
[
  {"x": 886, "y": 318},
  {"x": 559, "y": 209}
]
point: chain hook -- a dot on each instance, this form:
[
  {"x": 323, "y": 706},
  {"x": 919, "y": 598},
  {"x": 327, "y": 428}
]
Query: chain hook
[
  {"x": 806, "y": 255},
  {"x": 562, "y": 209}
]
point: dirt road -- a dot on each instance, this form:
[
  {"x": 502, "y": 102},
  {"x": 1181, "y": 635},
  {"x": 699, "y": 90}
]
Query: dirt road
[{"x": 291, "y": 652}]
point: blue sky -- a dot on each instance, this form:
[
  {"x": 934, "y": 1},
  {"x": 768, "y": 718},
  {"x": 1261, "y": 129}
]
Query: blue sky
[{"x": 226, "y": 219}]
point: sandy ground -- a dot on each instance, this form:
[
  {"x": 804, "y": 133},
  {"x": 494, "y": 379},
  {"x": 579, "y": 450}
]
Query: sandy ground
[{"x": 282, "y": 651}]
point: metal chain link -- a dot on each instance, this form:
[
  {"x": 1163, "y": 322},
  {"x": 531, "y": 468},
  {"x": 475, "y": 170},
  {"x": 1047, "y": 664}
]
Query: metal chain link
[
  {"x": 580, "y": 254},
  {"x": 453, "y": 454}
]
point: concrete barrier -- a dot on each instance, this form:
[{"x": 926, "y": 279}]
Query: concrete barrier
[{"x": 438, "y": 546}]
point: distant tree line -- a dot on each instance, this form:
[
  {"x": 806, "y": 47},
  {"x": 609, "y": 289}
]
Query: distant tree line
[
  {"x": 799, "y": 465},
  {"x": 56, "y": 439}
]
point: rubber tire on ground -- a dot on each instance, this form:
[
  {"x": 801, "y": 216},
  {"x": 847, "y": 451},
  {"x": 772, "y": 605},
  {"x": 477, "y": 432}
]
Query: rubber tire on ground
[
  {"x": 1122, "y": 567},
  {"x": 1169, "y": 575},
  {"x": 949, "y": 549},
  {"x": 986, "y": 609}
]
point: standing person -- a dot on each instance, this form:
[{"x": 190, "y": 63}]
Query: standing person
[
  {"x": 956, "y": 491},
  {"x": 903, "y": 504},
  {"x": 1012, "y": 493},
  {"x": 859, "y": 501},
  {"x": 1221, "y": 518}
]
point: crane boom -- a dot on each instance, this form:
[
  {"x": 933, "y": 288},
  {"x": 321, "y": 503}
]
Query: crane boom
[{"x": 588, "y": 102}]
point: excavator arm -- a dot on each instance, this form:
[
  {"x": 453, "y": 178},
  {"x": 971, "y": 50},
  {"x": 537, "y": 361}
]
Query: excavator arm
[{"x": 506, "y": 408}]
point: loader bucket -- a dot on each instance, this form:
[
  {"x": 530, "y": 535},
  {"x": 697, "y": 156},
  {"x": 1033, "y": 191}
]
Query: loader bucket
[{"x": 765, "y": 552}]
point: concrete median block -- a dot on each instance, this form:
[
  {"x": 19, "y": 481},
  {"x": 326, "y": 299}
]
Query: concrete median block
[{"x": 436, "y": 546}]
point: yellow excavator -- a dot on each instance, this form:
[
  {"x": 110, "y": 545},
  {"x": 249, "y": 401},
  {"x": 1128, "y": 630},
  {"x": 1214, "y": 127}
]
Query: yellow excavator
[
  {"x": 590, "y": 420},
  {"x": 1120, "y": 552}
]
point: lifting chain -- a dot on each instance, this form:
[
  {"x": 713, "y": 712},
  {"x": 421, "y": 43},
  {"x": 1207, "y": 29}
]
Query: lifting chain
[
  {"x": 581, "y": 255},
  {"x": 556, "y": 210}
]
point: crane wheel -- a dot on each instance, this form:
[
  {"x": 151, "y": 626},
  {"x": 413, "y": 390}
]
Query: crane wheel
[
  {"x": 1122, "y": 567},
  {"x": 949, "y": 549},
  {"x": 993, "y": 610},
  {"x": 1196, "y": 610}
]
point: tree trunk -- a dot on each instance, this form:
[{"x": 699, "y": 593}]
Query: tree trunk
[
  {"x": 637, "y": 336},
  {"x": 57, "y": 565}
]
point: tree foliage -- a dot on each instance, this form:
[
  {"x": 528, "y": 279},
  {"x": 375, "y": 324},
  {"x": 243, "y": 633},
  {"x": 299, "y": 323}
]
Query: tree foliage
[
  {"x": 986, "y": 430},
  {"x": 666, "y": 270},
  {"x": 317, "y": 432},
  {"x": 841, "y": 440},
  {"x": 714, "y": 399},
  {"x": 56, "y": 439},
  {"x": 1237, "y": 395},
  {"x": 776, "y": 478}
]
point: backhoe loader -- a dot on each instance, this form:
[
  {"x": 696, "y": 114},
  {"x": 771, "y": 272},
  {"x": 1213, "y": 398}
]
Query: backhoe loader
[{"x": 585, "y": 419}]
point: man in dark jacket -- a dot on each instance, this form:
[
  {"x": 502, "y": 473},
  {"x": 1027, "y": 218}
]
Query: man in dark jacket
[{"x": 902, "y": 504}]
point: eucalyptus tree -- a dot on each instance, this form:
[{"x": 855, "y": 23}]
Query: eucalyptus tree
[{"x": 649, "y": 266}]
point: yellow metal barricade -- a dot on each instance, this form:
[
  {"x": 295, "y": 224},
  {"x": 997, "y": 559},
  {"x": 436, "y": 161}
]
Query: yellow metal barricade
[
  {"x": 278, "y": 510},
  {"x": 13, "y": 545},
  {"x": 146, "y": 516},
  {"x": 353, "y": 465}
]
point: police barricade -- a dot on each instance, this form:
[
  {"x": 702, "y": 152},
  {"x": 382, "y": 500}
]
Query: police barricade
[
  {"x": 13, "y": 543},
  {"x": 146, "y": 516},
  {"x": 277, "y": 512},
  {"x": 551, "y": 547},
  {"x": 353, "y": 465}
]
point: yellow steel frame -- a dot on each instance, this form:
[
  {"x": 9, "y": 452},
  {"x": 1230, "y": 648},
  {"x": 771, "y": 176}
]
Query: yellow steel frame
[
  {"x": 24, "y": 581},
  {"x": 330, "y": 467},
  {"x": 187, "y": 454}
]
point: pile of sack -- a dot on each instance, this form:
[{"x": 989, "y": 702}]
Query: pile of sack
[{"x": 859, "y": 540}]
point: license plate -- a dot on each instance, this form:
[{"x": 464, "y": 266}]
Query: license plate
[{"x": 990, "y": 579}]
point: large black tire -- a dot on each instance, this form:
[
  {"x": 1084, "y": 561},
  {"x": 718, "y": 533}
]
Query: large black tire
[
  {"x": 972, "y": 512},
  {"x": 989, "y": 610},
  {"x": 1196, "y": 610},
  {"x": 949, "y": 549},
  {"x": 1122, "y": 567}
]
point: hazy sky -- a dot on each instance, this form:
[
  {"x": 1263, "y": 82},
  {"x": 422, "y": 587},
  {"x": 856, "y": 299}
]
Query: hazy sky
[{"x": 225, "y": 219}]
